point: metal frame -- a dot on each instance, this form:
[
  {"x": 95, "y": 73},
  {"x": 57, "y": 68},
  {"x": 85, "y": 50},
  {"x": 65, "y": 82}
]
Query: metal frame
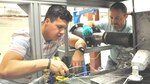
[
  {"x": 35, "y": 1},
  {"x": 134, "y": 28},
  {"x": 92, "y": 3},
  {"x": 35, "y": 31},
  {"x": 32, "y": 8}
]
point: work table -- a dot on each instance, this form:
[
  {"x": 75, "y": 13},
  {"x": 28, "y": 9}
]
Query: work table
[{"x": 111, "y": 77}]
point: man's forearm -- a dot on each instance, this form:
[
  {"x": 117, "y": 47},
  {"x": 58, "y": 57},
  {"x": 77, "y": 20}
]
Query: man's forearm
[
  {"x": 19, "y": 68},
  {"x": 80, "y": 43}
]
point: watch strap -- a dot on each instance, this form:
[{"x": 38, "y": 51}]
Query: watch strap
[{"x": 81, "y": 49}]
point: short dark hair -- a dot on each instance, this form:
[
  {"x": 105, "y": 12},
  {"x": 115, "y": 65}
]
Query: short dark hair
[
  {"x": 58, "y": 11},
  {"x": 119, "y": 6}
]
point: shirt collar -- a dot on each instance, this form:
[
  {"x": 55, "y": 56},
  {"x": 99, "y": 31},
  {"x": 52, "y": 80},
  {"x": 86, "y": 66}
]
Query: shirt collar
[{"x": 44, "y": 41}]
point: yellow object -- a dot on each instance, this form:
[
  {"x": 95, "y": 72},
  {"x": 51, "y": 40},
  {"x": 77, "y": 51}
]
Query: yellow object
[
  {"x": 56, "y": 58},
  {"x": 58, "y": 78},
  {"x": 62, "y": 78}
]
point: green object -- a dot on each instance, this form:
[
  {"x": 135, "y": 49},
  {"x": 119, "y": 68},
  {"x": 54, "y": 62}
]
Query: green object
[{"x": 87, "y": 31}]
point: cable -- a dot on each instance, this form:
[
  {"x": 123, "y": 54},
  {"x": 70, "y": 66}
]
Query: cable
[
  {"x": 125, "y": 81},
  {"x": 85, "y": 69},
  {"x": 75, "y": 67}
]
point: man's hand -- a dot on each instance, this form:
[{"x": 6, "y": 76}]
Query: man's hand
[
  {"x": 77, "y": 61},
  {"x": 98, "y": 36},
  {"x": 58, "y": 67},
  {"x": 87, "y": 31}
]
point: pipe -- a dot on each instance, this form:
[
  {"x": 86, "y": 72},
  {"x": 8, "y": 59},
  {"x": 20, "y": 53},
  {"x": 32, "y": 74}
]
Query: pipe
[{"x": 117, "y": 38}]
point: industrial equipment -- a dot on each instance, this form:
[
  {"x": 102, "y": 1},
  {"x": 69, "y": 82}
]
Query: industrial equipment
[
  {"x": 141, "y": 41},
  {"x": 77, "y": 14},
  {"x": 139, "y": 74},
  {"x": 77, "y": 30},
  {"x": 139, "y": 63},
  {"x": 114, "y": 38}
]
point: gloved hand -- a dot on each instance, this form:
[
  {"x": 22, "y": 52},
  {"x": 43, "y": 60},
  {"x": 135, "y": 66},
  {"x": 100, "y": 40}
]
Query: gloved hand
[
  {"x": 98, "y": 36},
  {"x": 87, "y": 31}
]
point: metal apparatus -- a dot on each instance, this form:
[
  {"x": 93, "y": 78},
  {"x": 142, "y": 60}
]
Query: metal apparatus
[
  {"x": 77, "y": 30},
  {"x": 140, "y": 70},
  {"x": 114, "y": 38},
  {"x": 141, "y": 42}
]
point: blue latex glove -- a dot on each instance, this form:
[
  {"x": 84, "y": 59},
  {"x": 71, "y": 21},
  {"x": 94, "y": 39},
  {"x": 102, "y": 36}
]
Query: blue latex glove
[{"x": 87, "y": 31}]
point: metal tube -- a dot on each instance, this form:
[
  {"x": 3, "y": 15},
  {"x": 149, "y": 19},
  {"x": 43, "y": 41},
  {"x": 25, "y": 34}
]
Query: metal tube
[{"x": 116, "y": 38}]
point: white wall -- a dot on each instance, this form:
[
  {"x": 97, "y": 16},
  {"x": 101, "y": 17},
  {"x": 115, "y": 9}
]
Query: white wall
[{"x": 140, "y": 5}]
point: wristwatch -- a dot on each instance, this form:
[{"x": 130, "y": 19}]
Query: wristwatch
[{"x": 81, "y": 49}]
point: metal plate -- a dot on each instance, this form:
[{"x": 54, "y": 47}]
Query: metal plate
[{"x": 143, "y": 30}]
